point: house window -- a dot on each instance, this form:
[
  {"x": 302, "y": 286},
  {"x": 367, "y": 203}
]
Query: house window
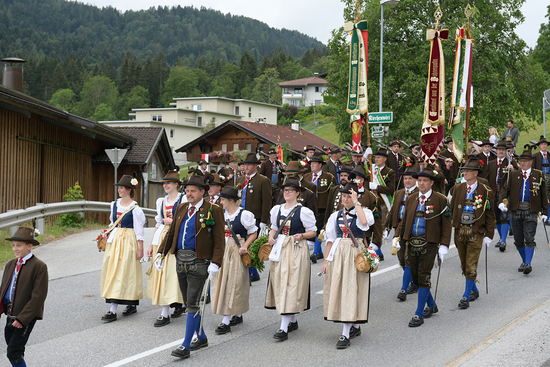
[
  {"x": 249, "y": 147},
  {"x": 249, "y": 111},
  {"x": 261, "y": 146},
  {"x": 235, "y": 146},
  {"x": 317, "y": 102},
  {"x": 318, "y": 89},
  {"x": 199, "y": 121},
  {"x": 196, "y": 107},
  {"x": 156, "y": 117},
  {"x": 171, "y": 133},
  {"x": 224, "y": 147},
  {"x": 297, "y": 90},
  {"x": 236, "y": 110},
  {"x": 296, "y": 102}
]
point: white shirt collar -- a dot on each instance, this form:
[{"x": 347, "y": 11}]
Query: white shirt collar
[
  {"x": 528, "y": 172},
  {"x": 427, "y": 195},
  {"x": 197, "y": 206},
  {"x": 333, "y": 161},
  {"x": 472, "y": 187},
  {"x": 29, "y": 255},
  {"x": 252, "y": 175}
]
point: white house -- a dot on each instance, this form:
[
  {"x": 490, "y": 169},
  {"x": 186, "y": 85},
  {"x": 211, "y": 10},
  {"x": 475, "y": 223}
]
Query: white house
[
  {"x": 304, "y": 92},
  {"x": 185, "y": 120}
]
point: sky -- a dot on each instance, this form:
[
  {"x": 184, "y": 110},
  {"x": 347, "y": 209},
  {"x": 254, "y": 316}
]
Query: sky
[{"x": 316, "y": 19}]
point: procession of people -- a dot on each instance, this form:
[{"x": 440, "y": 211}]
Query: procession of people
[{"x": 318, "y": 207}]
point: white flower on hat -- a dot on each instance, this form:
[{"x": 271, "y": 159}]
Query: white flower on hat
[
  {"x": 222, "y": 177},
  {"x": 134, "y": 181},
  {"x": 357, "y": 181},
  {"x": 36, "y": 232}
]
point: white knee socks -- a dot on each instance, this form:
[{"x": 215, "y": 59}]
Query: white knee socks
[
  {"x": 165, "y": 310},
  {"x": 285, "y": 320},
  {"x": 226, "y": 319},
  {"x": 347, "y": 327},
  {"x": 114, "y": 306}
]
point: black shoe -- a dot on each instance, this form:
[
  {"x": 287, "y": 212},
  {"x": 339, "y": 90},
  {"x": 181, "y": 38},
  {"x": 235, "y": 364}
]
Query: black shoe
[
  {"x": 178, "y": 311},
  {"x": 528, "y": 269},
  {"x": 181, "y": 352},
  {"x": 109, "y": 317},
  {"x": 474, "y": 295},
  {"x": 416, "y": 321},
  {"x": 521, "y": 267},
  {"x": 235, "y": 320},
  {"x": 281, "y": 335},
  {"x": 222, "y": 329},
  {"x": 547, "y": 223},
  {"x": 502, "y": 246},
  {"x": 207, "y": 300},
  {"x": 131, "y": 309},
  {"x": 498, "y": 244},
  {"x": 313, "y": 258},
  {"x": 511, "y": 233},
  {"x": 412, "y": 289},
  {"x": 198, "y": 343},
  {"x": 402, "y": 295},
  {"x": 353, "y": 332},
  {"x": 342, "y": 343},
  {"x": 292, "y": 326},
  {"x": 429, "y": 311},
  {"x": 381, "y": 257},
  {"x": 255, "y": 277},
  {"x": 161, "y": 321},
  {"x": 464, "y": 303},
  {"x": 319, "y": 256}
]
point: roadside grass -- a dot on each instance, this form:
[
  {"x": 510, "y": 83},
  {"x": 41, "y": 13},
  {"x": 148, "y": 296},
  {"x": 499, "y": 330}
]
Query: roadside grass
[{"x": 328, "y": 132}]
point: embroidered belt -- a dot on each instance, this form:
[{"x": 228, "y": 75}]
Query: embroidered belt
[
  {"x": 419, "y": 214},
  {"x": 546, "y": 165},
  {"x": 467, "y": 218},
  {"x": 417, "y": 241},
  {"x": 468, "y": 202},
  {"x": 524, "y": 205},
  {"x": 186, "y": 255}
]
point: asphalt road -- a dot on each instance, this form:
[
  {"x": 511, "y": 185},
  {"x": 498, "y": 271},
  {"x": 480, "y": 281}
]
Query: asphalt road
[{"x": 508, "y": 326}]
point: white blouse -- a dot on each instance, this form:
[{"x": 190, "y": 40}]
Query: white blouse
[
  {"x": 138, "y": 215},
  {"x": 306, "y": 216},
  {"x": 158, "y": 217},
  {"x": 247, "y": 220},
  {"x": 332, "y": 224}
]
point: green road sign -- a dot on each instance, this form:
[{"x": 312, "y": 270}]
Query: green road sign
[
  {"x": 378, "y": 131},
  {"x": 380, "y": 117}
]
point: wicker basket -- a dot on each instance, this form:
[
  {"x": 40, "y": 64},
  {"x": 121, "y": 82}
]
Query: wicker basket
[
  {"x": 362, "y": 264},
  {"x": 263, "y": 253}
]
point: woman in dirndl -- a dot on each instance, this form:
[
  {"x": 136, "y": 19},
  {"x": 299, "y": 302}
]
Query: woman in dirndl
[
  {"x": 346, "y": 289},
  {"x": 121, "y": 274},
  {"x": 162, "y": 286},
  {"x": 231, "y": 285},
  {"x": 289, "y": 275}
]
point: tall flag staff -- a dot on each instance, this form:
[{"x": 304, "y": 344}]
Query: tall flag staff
[
  {"x": 434, "y": 105},
  {"x": 358, "y": 102},
  {"x": 459, "y": 120}
]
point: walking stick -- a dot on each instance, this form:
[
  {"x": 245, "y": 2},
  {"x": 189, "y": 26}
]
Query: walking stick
[
  {"x": 486, "y": 276},
  {"x": 202, "y": 307},
  {"x": 546, "y": 233},
  {"x": 437, "y": 281}
]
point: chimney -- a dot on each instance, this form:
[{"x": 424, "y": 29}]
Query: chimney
[
  {"x": 316, "y": 74},
  {"x": 13, "y": 75},
  {"x": 295, "y": 126}
]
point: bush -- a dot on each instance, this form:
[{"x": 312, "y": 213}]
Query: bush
[{"x": 71, "y": 219}]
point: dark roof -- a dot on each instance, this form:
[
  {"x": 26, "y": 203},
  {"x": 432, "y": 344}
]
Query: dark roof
[
  {"x": 23, "y": 104},
  {"x": 265, "y": 133},
  {"x": 303, "y": 82},
  {"x": 148, "y": 140}
]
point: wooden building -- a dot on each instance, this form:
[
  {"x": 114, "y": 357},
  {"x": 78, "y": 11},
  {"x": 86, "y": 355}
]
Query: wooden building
[{"x": 249, "y": 136}]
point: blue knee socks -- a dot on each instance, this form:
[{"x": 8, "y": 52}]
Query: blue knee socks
[
  {"x": 474, "y": 288},
  {"x": 192, "y": 325},
  {"x": 521, "y": 251},
  {"x": 422, "y": 297},
  {"x": 20, "y": 364},
  {"x": 430, "y": 302},
  {"x": 379, "y": 252},
  {"x": 529, "y": 251},
  {"x": 505, "y": 229},
  {"x": 469, "y": 286},
  {"x": 499, "y": 230},
  {"x": 317, "y": 250},
  {"x": 252, "y": 271},
  {"x": 407, "y": 278}
]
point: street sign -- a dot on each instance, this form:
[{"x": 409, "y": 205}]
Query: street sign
[
  {"x": 380, "y": 117},
  {"x": 378, "y": 131},
  {"x": 116, "y": 155}
]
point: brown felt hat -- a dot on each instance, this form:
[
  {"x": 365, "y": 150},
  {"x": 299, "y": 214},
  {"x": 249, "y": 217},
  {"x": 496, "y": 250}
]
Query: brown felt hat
[
  {"x": 293, "y": 182},
  {"x": 196, "y": 180},
  {"x": 127, "y": 181},
  {"x": 172, "y": 175},
  {"x": 293, "y": 167},
  {"x": 251, "y": 158},
  {"x": 216, "y": 180},
  {"x": 24, "y": 234}
]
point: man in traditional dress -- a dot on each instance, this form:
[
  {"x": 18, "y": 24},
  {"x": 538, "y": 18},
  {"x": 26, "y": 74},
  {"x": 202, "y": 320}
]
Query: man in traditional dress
[
  {"x": 474, "y": 224},
  {"x": 542, "y": 162},
  {"x": 232, "y": 172},
  {"x": 426, "y": 226},
  {"x": 449, "y": 164},
  {"x": 497, "y": 175},
  {"x": 334, "y": 201},
  {"x": 414, "y": 156},
  {"x": 486, "y": 156},
  {"x": 197, "y": 237},
  {"x": 308, "y": 196},
  {"x": 272, "y": 168},
  {"x": 333, "y": 164},
  {"x": 215, "y": 187},
  {"x": 324, "y": 181},
  {"x": 255, "y": 197},
  {"x": 357, "y": 158},
  {"x": 392, "y": 221},
  {"x": 309, "y": 151},
  {"x": 528, "y": 197},
  {"x": 394, "y": 162}
]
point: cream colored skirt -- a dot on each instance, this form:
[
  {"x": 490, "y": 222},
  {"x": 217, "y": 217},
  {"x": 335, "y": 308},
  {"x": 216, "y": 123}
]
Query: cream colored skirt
[
  {"x": 230, "y": 287},
  {"x": 121, "y": 274},
  {"x": 346, "y": 290},
  {"x": 288, "y": 286},
  {"x": 163, "y": 286}
]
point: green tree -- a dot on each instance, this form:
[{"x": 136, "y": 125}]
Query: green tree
[
  {"x": 266, "y": 89},
  {"x": 103, "y": 112},
  {"x": 541, "y": 53},
  {"x": 498, "y": 60},
  {"x": 249, "y": 71},
  {"x": 182, "y": 82},
  {"x": 96, "y": 91},
  {"x": 137, "y": 98},
  {"x": 64, "y": 99}
]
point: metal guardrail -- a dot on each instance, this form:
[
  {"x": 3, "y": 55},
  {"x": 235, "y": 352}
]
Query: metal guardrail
[{"x": 40, "y": 211}]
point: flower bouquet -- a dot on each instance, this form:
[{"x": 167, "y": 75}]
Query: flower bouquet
[{"x": 367, "y": 261}]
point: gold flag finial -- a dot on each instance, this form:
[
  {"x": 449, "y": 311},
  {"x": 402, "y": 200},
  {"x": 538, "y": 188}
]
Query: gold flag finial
[
  {"x": 438, "y": 15},
  {"x": 468, "y": 12},
  {"x": 357, "y": 11}
]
